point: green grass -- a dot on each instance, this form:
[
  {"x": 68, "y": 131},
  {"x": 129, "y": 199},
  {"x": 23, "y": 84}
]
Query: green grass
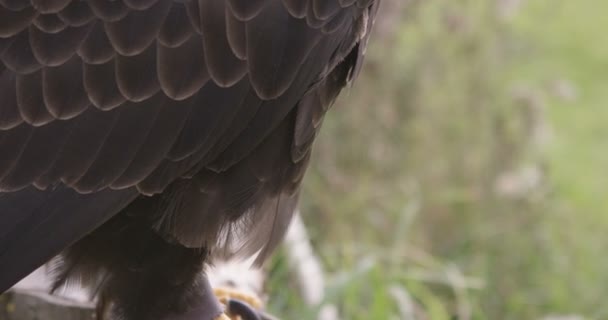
[
  {"x": 574, "y": 49},
  {"x": 401, "y": 196}
]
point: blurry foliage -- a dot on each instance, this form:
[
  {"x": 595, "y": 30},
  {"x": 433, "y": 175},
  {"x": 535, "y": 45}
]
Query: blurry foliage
[{"x": 432, "y": 182}]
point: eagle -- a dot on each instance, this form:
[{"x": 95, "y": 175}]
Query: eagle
[{"x": 142, "y": 139}]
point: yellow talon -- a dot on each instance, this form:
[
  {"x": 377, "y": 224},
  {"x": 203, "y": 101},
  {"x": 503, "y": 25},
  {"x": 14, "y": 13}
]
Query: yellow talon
[{"x": 224, "y": 294}]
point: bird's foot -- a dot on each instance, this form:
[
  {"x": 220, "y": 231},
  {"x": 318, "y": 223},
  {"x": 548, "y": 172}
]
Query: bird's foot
[{"x": 240, "y": 306}]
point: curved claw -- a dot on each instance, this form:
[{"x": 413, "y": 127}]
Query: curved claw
[
  {"x": 246, "y": 311},
  {"x": 242, "y": 309}
]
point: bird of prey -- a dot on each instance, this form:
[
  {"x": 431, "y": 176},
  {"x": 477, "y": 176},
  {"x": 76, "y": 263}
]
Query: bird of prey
[{"x": 139, "y": 139}]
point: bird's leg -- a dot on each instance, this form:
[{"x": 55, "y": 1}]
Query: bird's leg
[
  {"x": 139, "y": 275},
  {"x": 206, "y": 307}
]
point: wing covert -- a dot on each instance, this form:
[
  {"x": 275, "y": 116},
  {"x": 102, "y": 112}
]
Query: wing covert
[{"x": 84, "y": 71}]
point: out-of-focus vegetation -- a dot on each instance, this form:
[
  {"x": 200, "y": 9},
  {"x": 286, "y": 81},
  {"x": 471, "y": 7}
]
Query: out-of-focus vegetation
[{"x": 464, "y": 175}]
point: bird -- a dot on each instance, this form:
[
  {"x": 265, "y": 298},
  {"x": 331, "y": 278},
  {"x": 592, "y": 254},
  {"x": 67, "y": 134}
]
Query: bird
[{"x": 142, "y": 139}]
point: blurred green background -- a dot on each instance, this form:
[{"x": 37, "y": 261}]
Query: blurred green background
[{"x": 463, "y": 176}]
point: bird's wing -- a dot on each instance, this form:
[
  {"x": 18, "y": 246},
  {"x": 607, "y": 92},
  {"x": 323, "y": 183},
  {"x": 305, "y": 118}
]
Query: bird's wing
[
  {"x": 119, "y": 98},
  {"x": 98, "y": 94}
]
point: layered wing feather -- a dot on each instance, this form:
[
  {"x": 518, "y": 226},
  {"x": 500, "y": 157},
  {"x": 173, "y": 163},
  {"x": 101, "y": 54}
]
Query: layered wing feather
[{"x": 211, "y": 100}]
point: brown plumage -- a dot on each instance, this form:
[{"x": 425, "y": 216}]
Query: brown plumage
[{"x": 141, "y": 138}]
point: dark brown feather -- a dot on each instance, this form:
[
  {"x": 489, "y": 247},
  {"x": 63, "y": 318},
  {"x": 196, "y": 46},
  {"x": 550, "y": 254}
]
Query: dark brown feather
[
  {"x": 30, "y": 99},
  {"x": 9, "y": 110},
  {"x": 12, "y": 143},
  {"x": 50, "y": 6},
  {"x": 245, "y": 10},
  {"x": 159, "y": 141},
  {"x": 136, "y": 75},
  {"x": 224, "y": 67},
  {"x": 236, "y": 34},
  {"x": 37, "y": 156},
  {"x": 176, "y": 29},
  {"x": 297, "y": 8},
  {"x": 140, "y": 4},
  {"x": 100, "y": 85},
  {"x": 88, "y": 135},
  {"x": 15, "y": 5},
  {"x": 135, "y": 32},
  {"x": 189, "y": 121},
  {"x": 273, "y": 66},
  {"x": 63, "y": 89},
  {"x": 182, "y": 69},
  {"x": 108, "y": 11},
  {"x": 77, "y": 14},
  {"x": 54, "y": 49},
  {"x": 96, "y": 48},
  {"x": 49, "y": 23},
  {"x": 325, "y": 9},
  {"x": 128, "y": 133},
  {"x": 198, "y": 131},
  {"x": 13, "y": 22},
  {"x": 18, "y": 55}
]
